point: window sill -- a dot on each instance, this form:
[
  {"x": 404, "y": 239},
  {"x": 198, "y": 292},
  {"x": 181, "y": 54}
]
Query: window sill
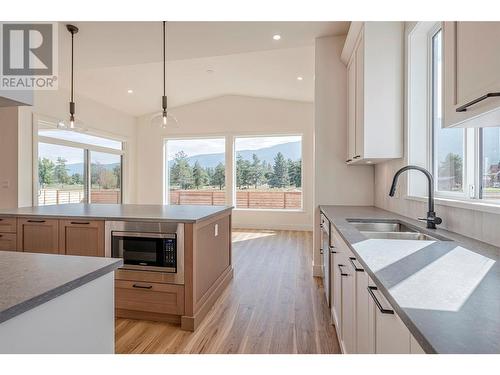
[{"x": 467, "y": 205}]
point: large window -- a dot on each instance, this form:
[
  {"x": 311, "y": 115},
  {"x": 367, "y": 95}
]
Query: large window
[
  {"x": 268, "y": 172},
  {"x": 196, "y": 170},
  {"x": 77, "y": 168},
  {"x": 466, "y": 162}
]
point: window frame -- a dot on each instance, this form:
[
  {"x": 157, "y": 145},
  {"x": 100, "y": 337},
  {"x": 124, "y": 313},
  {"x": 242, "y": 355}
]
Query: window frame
[
  {"x": 471, "y": 196},
  {"x": 49, "y": 122}
]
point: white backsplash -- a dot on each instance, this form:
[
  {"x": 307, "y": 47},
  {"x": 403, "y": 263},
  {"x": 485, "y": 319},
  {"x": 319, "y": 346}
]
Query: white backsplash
[{"x": 483, "y": 226}]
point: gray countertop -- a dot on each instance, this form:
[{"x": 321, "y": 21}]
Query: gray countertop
[
  {"x": 133, "y": 212},
  {"x": 446, "y": 292},
  {"x": 28, "y": 280}
]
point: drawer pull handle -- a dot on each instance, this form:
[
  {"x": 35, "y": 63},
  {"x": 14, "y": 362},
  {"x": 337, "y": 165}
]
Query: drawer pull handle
[
  {"x": 36, "y": 221},
  {"x": 379, "y": 305},
  {"x": 1, "y": 235},
  {"x": 342, "y": 273},
  {"x": 332, "y": 251},
  {"x": 356, "y": 268},
  {"x": 477, "y": 100},
  {"x": 80, "y": 222},
  {"x": 348, "y": 160},
  {"x": 142, "y": 286},
  {"x": 357, "y": 157}
]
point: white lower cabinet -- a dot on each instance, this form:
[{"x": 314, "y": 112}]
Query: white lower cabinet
[{"x": 365, "y": 321}]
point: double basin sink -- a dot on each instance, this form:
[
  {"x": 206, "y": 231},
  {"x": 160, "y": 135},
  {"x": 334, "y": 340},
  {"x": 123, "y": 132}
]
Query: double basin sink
[{"x": 392, "y": 230}]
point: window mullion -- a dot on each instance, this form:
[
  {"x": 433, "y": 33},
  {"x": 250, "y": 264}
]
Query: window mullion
[{"x": 87, "y": 177}]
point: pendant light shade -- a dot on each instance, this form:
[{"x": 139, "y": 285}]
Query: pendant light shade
[
  {"x": 164, "y": 119},
  {"x": 72, "y": 123}
]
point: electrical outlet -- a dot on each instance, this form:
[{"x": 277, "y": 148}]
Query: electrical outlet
[{"x": 216, "y": 230}]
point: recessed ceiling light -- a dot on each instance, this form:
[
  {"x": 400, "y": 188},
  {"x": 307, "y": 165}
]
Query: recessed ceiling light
[
  {"x": 299, "y": 78},
  {"x": 276, "y": 36},
  {"x": 130, "y": 91}
]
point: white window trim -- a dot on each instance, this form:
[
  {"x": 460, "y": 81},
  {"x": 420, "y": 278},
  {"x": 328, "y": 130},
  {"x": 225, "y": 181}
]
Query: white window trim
[
  {"x": 471, "y": 139},
  {"x": 230, "y": 157},
  {"x": 52, "y": 122}
]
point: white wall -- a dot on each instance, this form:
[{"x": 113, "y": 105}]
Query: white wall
[
  {"x": 230, "y": 116},
  {"x": 95, "y": 116},
  {"x": 335, "y": 182}
]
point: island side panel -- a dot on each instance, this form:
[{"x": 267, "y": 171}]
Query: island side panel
[{"x": 210, "y": 262}]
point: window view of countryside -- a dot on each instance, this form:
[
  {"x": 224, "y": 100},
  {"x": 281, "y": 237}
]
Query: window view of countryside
[
  {"x": 268, "y": 172},
  {"x": 61, "y": 176}
]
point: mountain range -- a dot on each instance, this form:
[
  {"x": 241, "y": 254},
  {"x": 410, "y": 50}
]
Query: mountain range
[{"x": 290, "y": 150}]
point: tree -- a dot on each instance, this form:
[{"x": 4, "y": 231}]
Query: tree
[
  {"x": 295, "y": 172},
  {"x": 451, "y": 172},
  {"x": 76, "y": 179},
  {"x": 256, "y": 172},
  {"x": 242, "y": 172},
  {"x": 199, "y": 175},
  {"x": 219, "y": 176},
  {"x": 61, "y": 172},
  {"x": 117, "y": 171},
  {"x": 181, "y": 173},
  {"x": 45, "y": 172},
  {"x": 279, "y": 178}
]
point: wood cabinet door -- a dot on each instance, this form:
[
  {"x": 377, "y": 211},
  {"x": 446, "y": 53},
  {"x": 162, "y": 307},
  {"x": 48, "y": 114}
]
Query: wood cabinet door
[
  {"x": 471, "y": 61},
  {"x": 38, "y": 235},
  {"x": 351, "y": 109},
  {"x": 348, "y": 275},
  {"x": 82, "y": 237}
]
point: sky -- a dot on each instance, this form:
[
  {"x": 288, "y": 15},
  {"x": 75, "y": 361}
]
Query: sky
[{"x": 217, "y": 145}]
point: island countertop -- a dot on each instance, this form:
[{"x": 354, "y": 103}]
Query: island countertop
[
  {"x": 446, "y": 292},
  {"x": 131, "y": 212},
  {"x": 28, "y": 280}
]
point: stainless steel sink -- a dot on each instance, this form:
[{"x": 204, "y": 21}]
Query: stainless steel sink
[
  {"x": 414, "y": 236},
  {"x": 392, "y": 230},
  {"x": 381, "y": 227}
]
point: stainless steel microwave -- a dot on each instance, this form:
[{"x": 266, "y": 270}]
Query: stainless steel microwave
[{"x": 148, "y": 246}]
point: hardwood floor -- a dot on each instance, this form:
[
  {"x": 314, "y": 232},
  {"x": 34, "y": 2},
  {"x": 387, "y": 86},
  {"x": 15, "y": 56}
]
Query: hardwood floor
[{"x": 273, "y": 305}]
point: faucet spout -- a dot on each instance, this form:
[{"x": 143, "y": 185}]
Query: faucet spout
[{"x": 432, "y": 220}]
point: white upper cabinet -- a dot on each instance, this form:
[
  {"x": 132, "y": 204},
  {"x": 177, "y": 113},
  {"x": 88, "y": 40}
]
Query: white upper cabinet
[
  {"x": 373, "y": 54},
  {"x": 471, "y": 74}
]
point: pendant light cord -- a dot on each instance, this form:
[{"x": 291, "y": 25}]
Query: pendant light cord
[
  {"x": 72, "y": 58},
  {"x": 164, "y": 58}
]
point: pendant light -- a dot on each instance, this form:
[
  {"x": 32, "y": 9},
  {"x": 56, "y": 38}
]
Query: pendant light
[
  {"x": 164, "y": 119},
  {"x": 73, "y": 123}
]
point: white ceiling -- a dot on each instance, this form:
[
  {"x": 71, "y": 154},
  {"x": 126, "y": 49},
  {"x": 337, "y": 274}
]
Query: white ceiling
[{"x": 112, "y": 57}]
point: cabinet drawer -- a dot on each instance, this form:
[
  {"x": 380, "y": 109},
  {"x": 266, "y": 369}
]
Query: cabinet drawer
[
  {"x": 8, "y": 241},
  {"x": 8, "y": 224},
  {"x": 150, "y": 297}
]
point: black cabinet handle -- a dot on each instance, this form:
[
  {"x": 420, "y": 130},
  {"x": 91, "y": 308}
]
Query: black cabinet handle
[
  {"x": 36, "y": 221},
  {"x": 142, "y": 286},
  {"x": 379, "y": 305},
  {"x": 348, "y": 160},
  {"x": 356, "y": 268},
  {"x": 80, "y": 222},
  {"x": 332, "y": 251},
  {"x": 357, "y": 157},
  {"x": 342, "y": 273},
  {"x": 321, "y": 251},
  {"x": 475, "y": 101},
  {"x": 1, "y": 235}
]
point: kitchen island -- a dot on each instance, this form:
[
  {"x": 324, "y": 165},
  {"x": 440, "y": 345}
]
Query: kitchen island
[
  {"x": 443, "y": 289},
  {"x": 56, "y": 304},
  {"x": 181, "y": 294}
]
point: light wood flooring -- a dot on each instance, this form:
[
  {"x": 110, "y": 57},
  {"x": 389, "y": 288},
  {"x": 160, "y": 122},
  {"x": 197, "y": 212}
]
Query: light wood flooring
[{"x": 273, "y": 305}]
